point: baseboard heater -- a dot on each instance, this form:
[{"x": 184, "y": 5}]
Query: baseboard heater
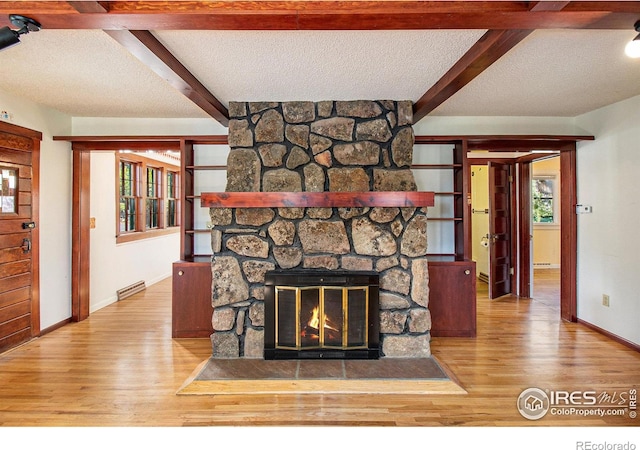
[
  {"x": 483, "y": 277},
  {"x": 131, "y": 289}
]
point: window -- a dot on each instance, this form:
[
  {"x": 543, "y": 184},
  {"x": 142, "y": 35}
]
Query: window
[
  {"x": 129, "y": 174},
  {"x": 154, "y": 196},
  {"x": 148, "y": 202},
  {"x": 8, "y": 190},
  {"x": 172, "y": 199},
  {"x": 543, "y": 199}
]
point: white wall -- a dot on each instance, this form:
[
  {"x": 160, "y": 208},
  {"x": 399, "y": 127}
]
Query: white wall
[
  {"x": 114, "y": 266},
  {"x": 55, "y": 204},
  {"x": 608, "y": 243}
]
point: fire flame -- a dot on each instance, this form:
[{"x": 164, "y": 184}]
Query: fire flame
[{"x": 314, "y": 321}]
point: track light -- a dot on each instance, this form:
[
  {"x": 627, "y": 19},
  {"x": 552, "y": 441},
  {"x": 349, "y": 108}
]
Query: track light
[
  {"x": 9, "y": 37},
  {"x": 633, "y": 48}
]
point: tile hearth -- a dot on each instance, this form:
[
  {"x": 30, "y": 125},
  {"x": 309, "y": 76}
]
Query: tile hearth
[{"x": 256, "y": 376}]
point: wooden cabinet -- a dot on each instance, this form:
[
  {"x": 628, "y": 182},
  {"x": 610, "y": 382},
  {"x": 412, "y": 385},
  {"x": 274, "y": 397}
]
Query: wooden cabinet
[
  {"x": 452, "y": 298},
  {"x": 191, "y": 299}
]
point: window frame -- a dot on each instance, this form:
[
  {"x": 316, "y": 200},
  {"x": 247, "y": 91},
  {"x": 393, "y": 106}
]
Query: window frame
[
  {"x": 143, "y": 165},
  {"x": 173, "y": 197}
]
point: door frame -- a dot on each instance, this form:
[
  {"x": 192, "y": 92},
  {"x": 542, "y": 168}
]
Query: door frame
[
  {"x": 568, "y": 221},
  {"x": 82, "y": 147},
  {"x": 36, "y": 138}
]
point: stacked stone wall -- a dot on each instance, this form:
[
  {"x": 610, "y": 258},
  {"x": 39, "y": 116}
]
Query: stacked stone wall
[{"x": 334, "y": 146}]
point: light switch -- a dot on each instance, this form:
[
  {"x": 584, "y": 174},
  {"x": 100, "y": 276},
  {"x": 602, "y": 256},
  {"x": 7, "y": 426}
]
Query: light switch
[
  {"x": 584, "y": 209},
  {"x": 92, "y": 222}
]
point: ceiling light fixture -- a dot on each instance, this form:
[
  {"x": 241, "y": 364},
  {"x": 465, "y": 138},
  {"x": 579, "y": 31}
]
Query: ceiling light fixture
[
  {"x": 633, "y": 48},
  {"x": 9, "y": 37}
]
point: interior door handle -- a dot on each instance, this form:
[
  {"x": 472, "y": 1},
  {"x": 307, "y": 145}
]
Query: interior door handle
[{"x": 26, "y": 245}]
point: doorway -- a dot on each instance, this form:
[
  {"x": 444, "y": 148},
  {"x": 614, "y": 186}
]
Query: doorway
[
  {"x": 545, "y": 217},
  {"x": 522, "y": 234}
]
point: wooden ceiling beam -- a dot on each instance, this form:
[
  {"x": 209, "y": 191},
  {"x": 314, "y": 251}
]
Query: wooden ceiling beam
[
  {"x": 325, "y": 15},
  {"x": 144, "y": 46},
  {"x": 489, "y": 48}
]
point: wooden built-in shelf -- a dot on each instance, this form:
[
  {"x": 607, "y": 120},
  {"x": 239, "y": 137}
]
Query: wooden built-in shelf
[{"x": 316, "y": 199}]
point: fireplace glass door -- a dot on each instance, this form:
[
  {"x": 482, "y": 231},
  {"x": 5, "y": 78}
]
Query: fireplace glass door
[
  {"x": 321, "y": 314},
  {"x": 318, "y": 317}
]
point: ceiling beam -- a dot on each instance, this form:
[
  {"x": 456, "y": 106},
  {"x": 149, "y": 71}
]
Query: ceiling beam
[
  {"x": 489, "y": 48},
  {"x": 326, "y": 15},
  {"x": 144, "y": 46}
]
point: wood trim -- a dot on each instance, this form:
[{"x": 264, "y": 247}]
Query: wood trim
[
  {"x": 525, "y": 229},
  {"x": 80, "y": 237},
  {"x": 149, "y": 234},
  {"x": 513, "y": 233},
  {"x": 610, "y": 335},
  {"x": 213, "y": 139},
  {"x": 568, "y": 235},
  {"x": 187, "y": 207},
  {"x": 491, "y": 140},
  {"x": 489, "y": 48},
  {"x": 35, "y": 238},
  {"x": 315, "y": 199},
  {"x": 90, "y": 7},
  {"x": 326, "y": 15},
  {"x": 144, "y": 46},
  {"x": 111, "y": 146},
  {"x": 20, "y": 131}
]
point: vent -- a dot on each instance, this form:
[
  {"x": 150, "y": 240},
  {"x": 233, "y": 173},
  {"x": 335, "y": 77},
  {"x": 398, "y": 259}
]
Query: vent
[
  {"x": 130, "y": 290},
  {"x": 483, "y": 277},
  {"x": 542, "y": 264}
]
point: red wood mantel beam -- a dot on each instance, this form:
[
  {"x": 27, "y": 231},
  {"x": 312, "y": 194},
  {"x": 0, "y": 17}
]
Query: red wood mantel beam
[{"x": 316, "y": 199}]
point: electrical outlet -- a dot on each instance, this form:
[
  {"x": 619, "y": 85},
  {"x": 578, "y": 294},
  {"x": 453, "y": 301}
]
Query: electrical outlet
[{"x": 605, "y": 300}]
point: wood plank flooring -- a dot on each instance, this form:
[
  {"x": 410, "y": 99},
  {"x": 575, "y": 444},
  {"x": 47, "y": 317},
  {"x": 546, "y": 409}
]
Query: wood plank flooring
[{"x": 120, "y": 367}]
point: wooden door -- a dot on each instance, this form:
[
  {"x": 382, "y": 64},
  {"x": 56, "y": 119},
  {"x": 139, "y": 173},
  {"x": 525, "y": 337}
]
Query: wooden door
[
  {"x": 499, "y": 229},
  {"x": 19, "y": 313}
]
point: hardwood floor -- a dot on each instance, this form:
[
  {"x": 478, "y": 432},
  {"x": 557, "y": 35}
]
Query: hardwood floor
[{"x": 120, "y": 367}]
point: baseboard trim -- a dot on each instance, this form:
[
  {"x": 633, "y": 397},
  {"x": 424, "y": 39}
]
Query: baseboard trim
[
  {"x": 55, "y": 326},
  {"x": 610, "y": 335}
]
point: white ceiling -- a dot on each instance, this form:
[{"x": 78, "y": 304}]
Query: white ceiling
[{"x": 550, "y": 73}]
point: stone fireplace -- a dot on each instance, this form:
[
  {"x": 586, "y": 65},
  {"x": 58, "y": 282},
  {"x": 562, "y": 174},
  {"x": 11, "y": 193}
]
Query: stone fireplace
[{"x": 329, "y": 146}]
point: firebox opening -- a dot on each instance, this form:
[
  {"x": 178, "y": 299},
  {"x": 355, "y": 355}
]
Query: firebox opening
[{"x": 321, "y": 314}]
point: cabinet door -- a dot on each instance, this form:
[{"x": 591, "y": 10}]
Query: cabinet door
[
  {"x": 452, "y": 298},
  {"x": 191, "y": 300}
]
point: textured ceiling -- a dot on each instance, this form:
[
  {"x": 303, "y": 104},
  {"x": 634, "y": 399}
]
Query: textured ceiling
[{"x": 550, "y": 73}]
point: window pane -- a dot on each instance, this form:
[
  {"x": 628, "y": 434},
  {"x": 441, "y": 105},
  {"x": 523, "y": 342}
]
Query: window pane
[
  {"x": 542, "y": 195},
  {"x": 171, "y": 213},
  {"x": 8, "y": 191}
]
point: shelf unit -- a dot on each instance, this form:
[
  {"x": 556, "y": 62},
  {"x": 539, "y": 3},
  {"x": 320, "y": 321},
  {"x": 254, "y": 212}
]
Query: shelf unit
[
  {"x": 192, "y": 170},
  {"x": 455, "y": 202}
]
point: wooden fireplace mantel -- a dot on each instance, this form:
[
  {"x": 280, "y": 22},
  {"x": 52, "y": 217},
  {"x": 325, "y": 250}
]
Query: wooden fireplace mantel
[{"x": 417, "y": 199}]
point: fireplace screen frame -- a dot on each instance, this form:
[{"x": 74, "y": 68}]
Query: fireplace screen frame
[{"x": 299, "y": 281}]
